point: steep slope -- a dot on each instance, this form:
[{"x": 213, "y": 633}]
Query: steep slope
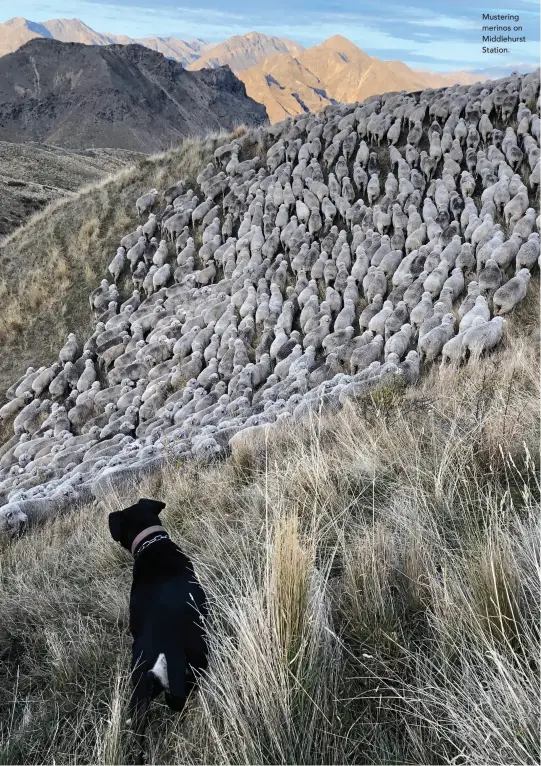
[
  {"x": 350, "y": 74},
  {"x": 363, "y": 517},
  {"x": 285, "y": 86},
  {"x": 68, "y": 245},
  {"x": 336, "y": 70},
  {"x": 33, "y": 175},
  {"x": 242, "y": 51},
  {"x": 267, "y": 230},
  {"x": 346, "y": 557},
  {"x": 17, "y": 31},
  {"x": 128, "y": 97}
]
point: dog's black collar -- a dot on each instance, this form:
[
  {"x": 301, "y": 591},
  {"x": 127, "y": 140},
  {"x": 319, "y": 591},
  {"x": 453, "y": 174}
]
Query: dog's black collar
[{"x": 145, "y": 543}]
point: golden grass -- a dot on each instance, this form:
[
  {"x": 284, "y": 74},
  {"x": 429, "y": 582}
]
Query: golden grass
[{"x": 373, "y": 587}]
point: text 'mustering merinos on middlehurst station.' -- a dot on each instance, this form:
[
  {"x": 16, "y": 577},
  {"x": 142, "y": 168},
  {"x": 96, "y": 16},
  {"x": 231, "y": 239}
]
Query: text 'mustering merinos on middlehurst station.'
[{"x": 513, "y": 28}]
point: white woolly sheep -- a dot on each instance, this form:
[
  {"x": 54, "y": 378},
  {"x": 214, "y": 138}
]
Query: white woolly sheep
[
  {"x": 453, "y": 350},
  {"x": 512, "y": 292},
  {"x": 146, "y": 202},
  {"x": 528, "y": 253},
  {"x": 69, "y": 350},
  {"x": 430, "y": 345},
  {"x": 116, "y": 267},
  {"x": 479, "y": 309},
  {"x": 399, "y": 342},
  {"x": 483, "y": 337}
]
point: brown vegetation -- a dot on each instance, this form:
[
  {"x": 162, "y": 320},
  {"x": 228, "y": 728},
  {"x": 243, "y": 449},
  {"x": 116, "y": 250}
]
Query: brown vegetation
[{"x": 33, "y": 175}]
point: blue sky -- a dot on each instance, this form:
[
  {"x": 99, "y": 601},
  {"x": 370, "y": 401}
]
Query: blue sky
[{"x": 441, "y": 36}]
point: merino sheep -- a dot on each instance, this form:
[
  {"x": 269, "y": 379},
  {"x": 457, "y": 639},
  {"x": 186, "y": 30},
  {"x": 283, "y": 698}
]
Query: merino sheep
[
  {"x": 479, "y": 309},
  {"x": 512, "y": 292},
  {"x": 431, "y": 344},
  {"x": 528, "y": 253},
  {"x": 399, "y": 342},
  {"x": 70, "y": 349},
  {"x": 453, "y": 350},
  {"x": 146, "y": 202},
  {"x": 260, "y": 324},
  {"x": 116, "y": 267},
  {"x": 482, "y": 337}
]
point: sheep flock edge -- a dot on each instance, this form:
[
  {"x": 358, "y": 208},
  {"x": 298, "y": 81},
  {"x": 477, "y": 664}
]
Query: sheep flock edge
[{"x": 372, "y": 240}]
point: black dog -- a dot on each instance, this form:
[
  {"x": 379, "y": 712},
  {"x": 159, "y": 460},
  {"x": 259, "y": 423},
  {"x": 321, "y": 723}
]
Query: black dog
[{"x": 167, "y": 611}]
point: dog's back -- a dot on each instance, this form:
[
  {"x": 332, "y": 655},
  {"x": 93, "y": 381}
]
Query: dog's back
[{"x": 167, "y": 610}]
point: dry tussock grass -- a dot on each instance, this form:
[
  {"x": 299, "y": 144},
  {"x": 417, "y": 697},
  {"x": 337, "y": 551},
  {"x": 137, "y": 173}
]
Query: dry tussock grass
[{"x": 373, "y": 582}]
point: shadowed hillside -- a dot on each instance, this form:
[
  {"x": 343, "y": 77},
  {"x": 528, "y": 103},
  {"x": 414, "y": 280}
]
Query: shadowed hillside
[
  {"x": 125, "y": 96},
  {"x": 33, "y": 175}
]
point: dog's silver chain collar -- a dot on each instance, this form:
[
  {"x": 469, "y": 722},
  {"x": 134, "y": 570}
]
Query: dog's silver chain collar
[{"x": 149, "y": 542}]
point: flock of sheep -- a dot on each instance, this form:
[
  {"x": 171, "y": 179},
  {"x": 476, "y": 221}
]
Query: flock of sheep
[{"x": 285, "y": 283}]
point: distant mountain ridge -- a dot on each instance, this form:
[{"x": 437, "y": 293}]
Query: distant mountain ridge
[
  {"x": 117, "y": 96},
  {"x": 336, "y": 70},
  {"x": 242, "y": 51},
  {"x": 17, "y": 31},
  {"x": 278, "y": 73}
]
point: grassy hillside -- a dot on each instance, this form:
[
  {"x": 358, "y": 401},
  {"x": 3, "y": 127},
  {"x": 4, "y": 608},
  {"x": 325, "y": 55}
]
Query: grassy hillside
[
  {"x": 373, "y": 583},
  {"x": 51, "y": 265},
  {"x": 372, "y": 570},
  {"x": 67, "y": 247},
  {"x": 33, "y": 175}
]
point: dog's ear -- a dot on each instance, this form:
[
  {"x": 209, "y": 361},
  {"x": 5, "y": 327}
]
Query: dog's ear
[
  {"x": 115, "y": 525},
  {"x": 155, "y": 506}
]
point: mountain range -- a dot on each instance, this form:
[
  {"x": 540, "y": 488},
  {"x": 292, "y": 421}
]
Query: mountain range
[
  {"x": 119, "y": 96},
  {"x": 336, "y": 70},
  {"x": 17, "y": 31},
  {"x": 279, "y": 73}
]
